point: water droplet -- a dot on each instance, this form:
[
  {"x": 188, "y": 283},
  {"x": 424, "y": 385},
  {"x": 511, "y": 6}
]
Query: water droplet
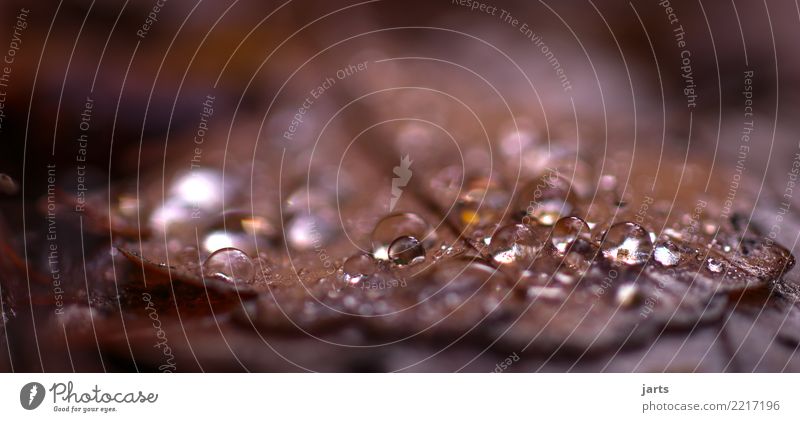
[
  {"x": 514, "y": 242},
  {"x": 667, "y": 254},
  {"x": 406, "y": 250},
  {"x": 566, "y": 231},
  {"x": 627, "y": 243},
  {"x": 358, "y": 267},
  {"x": 547, "y": 198},
  {"x": 229, "y": 264},
  {"x": 482, "y": 204},
  {"x": 577, "y": 262},
  {"x": 398, "y": 225},
  {"x": 714, "y": 265}
]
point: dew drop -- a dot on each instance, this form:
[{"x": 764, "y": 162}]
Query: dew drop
[
  {"x": 514, "y": 242},
  {"x": 667, "y": 254},
  {"x": 566, "y": 231},
  {"x": 627, "y": 243},
  {"x": 398, "y": 225},
  {"x": 547, "y": 198},
  {"x": 482, "y": 204},
  {"x": 577, "y": 262},
  {"x": 230, "y": 264},
  {"x": 358, "y": 267},
  {"x": 406, "y": 250},
  {"x": 714, "y": 265}
]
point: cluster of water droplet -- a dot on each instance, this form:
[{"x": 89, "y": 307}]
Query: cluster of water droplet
[{"x": 479, "y": 242}]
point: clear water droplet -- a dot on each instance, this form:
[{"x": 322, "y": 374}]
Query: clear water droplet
[
  {"x": 406, "y": 250},
  {"x": 482, "y": 204},
  {"x": 546, "y": 199},
  {"x": 577, "y": 262},
  {"x": 358, "y": 267},
  {"x": 667, "y": 254},
  {"x": 714, "y": 265},
  {"x": 398, "y": 225},
  {"x": 514, "y": 242},
  {"x": 229, "y": 264},
  {"x": 566, "y": 231},
  {"x": 627, "y": 243}
]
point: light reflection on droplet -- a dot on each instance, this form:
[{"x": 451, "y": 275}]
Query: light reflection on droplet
[
  {"x": 667, "y": 254},
  {"x": 547, "y": 198},
  {"x": 714, "y": 265},
  {"x": 627, "y": 243},
  {"x": 566, "y": 231},
  {"x": 514, "y": 242},
  {"x": 406, "y": 250},
  {"x": 229, "y": 264},
  {"x": 398, "y": 225},
  {"x": 358, "y": 267}
]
